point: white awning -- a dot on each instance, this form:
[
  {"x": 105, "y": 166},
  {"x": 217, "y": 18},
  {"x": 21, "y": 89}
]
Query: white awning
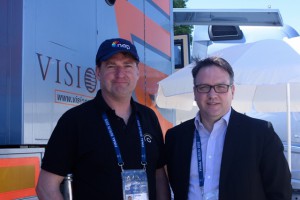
[{"x": 238, "y": 17}]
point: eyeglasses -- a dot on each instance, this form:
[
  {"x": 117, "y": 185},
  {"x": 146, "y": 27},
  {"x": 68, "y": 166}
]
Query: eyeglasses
[{"x": 203, "y": 88}]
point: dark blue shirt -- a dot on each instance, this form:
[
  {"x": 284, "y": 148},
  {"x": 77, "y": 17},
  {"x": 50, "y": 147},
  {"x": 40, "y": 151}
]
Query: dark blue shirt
[{"x": 80, "y": 144}]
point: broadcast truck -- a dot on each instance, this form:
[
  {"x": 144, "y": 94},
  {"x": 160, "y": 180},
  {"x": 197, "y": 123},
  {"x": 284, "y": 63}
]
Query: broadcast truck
[{"x": 47, "y": 66}]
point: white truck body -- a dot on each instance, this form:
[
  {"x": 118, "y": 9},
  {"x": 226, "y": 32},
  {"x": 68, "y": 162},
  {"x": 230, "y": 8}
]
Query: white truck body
[{"x": 47, "y": 66}]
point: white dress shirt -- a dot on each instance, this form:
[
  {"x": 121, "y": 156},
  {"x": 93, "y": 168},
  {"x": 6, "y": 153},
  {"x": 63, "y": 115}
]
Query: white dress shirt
[{"x": 212, "y": 149}]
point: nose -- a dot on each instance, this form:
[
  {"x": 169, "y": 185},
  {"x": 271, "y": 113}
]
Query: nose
[
  {"x": 120, "y": 71},
  {"x": 212, "y": 92}
]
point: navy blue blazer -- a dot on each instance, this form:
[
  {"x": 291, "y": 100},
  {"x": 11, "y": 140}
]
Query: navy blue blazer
[{"x": 253, "y": 164}]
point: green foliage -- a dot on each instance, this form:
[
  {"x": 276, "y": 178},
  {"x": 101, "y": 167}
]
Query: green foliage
[
  {"x": 179, "y": 4},
  {"x": 182, "y": 29}
]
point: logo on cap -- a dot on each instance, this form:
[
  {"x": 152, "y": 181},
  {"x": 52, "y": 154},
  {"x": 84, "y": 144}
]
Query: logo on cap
[{"x": 119, "y": 45}]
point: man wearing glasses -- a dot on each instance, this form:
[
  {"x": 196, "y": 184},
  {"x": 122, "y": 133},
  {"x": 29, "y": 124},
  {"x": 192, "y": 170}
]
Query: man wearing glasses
[{"x": 223, "y": 154}]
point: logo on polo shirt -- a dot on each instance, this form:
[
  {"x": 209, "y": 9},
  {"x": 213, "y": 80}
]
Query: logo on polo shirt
[
  {"x": 119, "y": 45},
  {"x": 147, "y": 137}
]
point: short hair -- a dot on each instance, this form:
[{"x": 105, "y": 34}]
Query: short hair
[{"x": 213, "y": 61}]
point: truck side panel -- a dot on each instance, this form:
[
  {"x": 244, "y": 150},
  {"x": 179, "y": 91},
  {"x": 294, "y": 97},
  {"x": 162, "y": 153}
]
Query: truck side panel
[
  {"x": 48, "y": 66},
  {"x": 10, "y": 72}
]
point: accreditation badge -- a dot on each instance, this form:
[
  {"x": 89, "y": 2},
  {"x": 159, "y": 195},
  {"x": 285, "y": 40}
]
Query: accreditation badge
[
  {"x": 213, "y": 195},
  {"x": 135, "y": 184}
]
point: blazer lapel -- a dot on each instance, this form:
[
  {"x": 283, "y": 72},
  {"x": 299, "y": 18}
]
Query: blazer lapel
[
  {"x": 187, "y": 149},
  {"x": 230, "y": 144},
  {"x": 186, "y": 153}
]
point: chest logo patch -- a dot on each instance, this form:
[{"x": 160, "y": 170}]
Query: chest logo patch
[{"x": 147, "y": 137}]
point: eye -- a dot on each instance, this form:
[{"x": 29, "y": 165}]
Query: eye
[
  {"x": 110, "y": 66},
  {"x": 203, "y": 87},
  {"x": 222, "y": 86},
  {"x": 128, "y": 66}
]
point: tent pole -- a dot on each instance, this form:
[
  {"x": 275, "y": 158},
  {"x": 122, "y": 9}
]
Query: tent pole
[{"x": 289, "y": 143}]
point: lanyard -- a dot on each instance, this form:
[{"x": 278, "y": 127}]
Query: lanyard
[
  {"x": 116, "y": 146},
  {"x": 199, "y": 158}
]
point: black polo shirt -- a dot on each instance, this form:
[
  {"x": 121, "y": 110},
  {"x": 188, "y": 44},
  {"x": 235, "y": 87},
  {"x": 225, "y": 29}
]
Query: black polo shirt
[{"x": 80, "y": 144}]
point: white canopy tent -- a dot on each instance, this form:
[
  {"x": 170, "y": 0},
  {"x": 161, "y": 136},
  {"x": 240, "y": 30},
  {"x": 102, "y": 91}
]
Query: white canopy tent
[{"x": 267, "y": 79}]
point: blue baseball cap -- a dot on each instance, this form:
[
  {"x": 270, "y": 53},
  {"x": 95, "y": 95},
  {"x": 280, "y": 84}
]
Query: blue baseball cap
[{"x": 110, "y": 47}]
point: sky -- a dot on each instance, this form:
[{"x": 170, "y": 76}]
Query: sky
[{"x": 289, "y": 9}]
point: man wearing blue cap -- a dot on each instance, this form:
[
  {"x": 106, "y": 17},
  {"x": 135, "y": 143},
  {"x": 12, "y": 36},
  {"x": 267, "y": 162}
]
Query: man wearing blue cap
[{"x": 101, "y": 142}]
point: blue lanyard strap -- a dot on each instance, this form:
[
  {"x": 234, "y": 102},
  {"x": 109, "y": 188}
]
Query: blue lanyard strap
[
  {"x": 116, "y": 146},
  {"x": 143, "y": 147},
  {"x": 199, "y": 158}
]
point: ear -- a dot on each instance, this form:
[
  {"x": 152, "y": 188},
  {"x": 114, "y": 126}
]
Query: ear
[
  {"x": 138, "y": 69},
  {"x": 97, "y": 72},
  {"x": 233, "y": 90}
]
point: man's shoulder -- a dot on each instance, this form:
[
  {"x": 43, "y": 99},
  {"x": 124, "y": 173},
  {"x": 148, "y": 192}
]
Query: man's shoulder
[
  {"x": 249, "y": 121},
  {"x": 246, "y": 117},
  {"x": 80, "y": 110},
  {"x": 180, "y": 128},
  {"x": 143, "y": 110},
  {"x": 180, "y": 132}
]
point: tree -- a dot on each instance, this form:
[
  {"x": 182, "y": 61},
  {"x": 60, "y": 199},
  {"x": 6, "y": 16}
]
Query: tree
[{"x": 182, "y": 29}]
